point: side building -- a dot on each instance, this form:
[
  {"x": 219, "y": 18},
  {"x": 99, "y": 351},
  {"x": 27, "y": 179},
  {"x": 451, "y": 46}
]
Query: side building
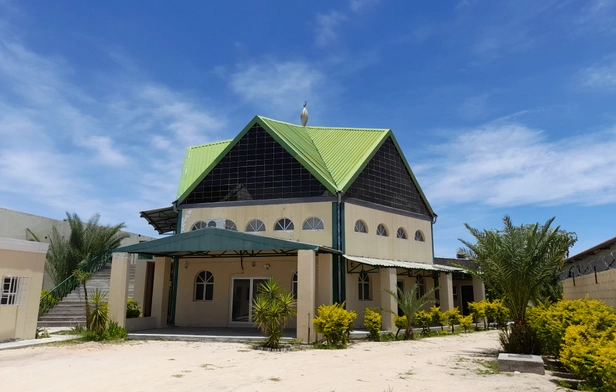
[{"x": 332, "y": 214}]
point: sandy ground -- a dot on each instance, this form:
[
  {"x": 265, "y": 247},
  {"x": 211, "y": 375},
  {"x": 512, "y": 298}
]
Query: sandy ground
[{"x": 450, "y": 363}]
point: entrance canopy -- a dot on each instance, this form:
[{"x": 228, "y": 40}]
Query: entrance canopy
[
  {"x": 409, "y": 265},
  {"x": 213, "y": 242},
  {"x": 164, "y": 220}
]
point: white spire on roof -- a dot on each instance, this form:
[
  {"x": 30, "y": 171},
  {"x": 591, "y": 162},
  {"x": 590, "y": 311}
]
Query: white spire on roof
[{"x": 304, "y": 116}]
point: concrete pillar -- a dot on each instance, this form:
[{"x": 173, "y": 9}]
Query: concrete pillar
[
  {"x": 118, "y": 288},
  {"x": 141, "y": 267},
  {"x": 324, "y": 279},
  {"x": 479, "y": 289},
  {"x": 160, "y": 296},
  {"x": 389, "y": 280},
  {"x": 445, "y": 285},
  {"x": 306, "y": 299}
]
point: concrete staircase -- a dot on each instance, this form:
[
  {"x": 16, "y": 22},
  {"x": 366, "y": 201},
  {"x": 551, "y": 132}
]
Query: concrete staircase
[{"x": 71, "y": 311}]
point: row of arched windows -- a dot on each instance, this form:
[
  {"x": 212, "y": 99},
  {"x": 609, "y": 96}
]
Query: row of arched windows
[
  {"x": 257, "y": 225},
  {"x": 381, "y": 229}
]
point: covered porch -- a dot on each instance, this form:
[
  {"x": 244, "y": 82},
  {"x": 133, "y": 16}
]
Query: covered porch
[{"x": 207, "y": 279}]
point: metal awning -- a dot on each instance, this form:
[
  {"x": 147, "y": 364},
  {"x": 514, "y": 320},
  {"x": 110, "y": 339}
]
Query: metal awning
[
  {"x": 218, "y": 243},
  {"x": 164, "y": 220},
  {"x": 409, "y": 265}
]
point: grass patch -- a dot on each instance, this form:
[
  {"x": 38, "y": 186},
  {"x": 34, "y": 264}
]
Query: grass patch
[
  {"x": 406, "y": 374},
  {"x": 489, "y": 367},
  {"x": 276, "y": 379},
  {"x": 177, "y": 375}
]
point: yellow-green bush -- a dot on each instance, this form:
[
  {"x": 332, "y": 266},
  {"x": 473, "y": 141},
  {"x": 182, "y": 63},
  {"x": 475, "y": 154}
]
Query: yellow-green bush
[
  {"x": 400, "y": 322},
  {"x": 438, "y": 317},
  {"x": 590, "y": 353},
  {"x": 550, "y": 322},
  {"x": 453, "y": 317},
  {"x": 499, "y": 311},
  {"x": 132, "y": 308},
  {"x": 478, "y": 311},
  {"x": 334, "y": 322},
  {"x": 373, "y": 322},
  {"x": 423, "y": 320},
  {"x": 466, "y": 322}
]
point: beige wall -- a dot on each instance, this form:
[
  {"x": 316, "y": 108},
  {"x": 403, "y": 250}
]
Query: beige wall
[
  {"x": 27, "y": 260},
  {"x": 372, "y": 245},
  {"x": 604, "y": 289},
  {"x": 270, "y": 214}
]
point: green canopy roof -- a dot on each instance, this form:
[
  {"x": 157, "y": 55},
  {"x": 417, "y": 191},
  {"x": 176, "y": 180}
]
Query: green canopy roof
[
  {"x": 335, "y": 156},
  {"x": 215, "y": 242}
]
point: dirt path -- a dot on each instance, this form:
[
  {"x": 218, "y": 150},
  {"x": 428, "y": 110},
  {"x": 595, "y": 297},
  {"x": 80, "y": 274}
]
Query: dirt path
[{"x": 454, "y": 363}]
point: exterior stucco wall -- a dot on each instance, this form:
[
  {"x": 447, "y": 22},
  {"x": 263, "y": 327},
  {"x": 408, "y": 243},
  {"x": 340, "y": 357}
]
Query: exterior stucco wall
[
  {"x": 603, "y": 289},
  {"x": 270, "y": 214},
  {"x": 371, "y": 245},
  {"x": 23, "y": 259}
]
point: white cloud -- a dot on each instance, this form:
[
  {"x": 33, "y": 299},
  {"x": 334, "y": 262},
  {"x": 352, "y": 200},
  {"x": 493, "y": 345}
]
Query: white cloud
[
  {"x": 599, "y": 76},
  {"x": 280, "y": 88},
  {"x": 511, "y": 165},
  {"x": 326, "y": 27},
  {"x": 599, "y": 15},
  {"x": 358, "y": 5},
  {"x": 475, "y": 106}
]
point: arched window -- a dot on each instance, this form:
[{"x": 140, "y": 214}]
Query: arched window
[
  {"x": 294, "y": 285},
  {"x": 421, "y": 286},
  {"x": 360, "y": 227},
  {"x": 204, "y": 286},
  {"x": 284, "y": 224},
  {"x": 363, "y": 286},
  {"x": 230, "y": 225},
  {"x": 255, "y": 225},
  {"x": 419, "y": 236},
  {"x": 382, "y": 230},
  {"x": 198, "y": 225},
  {"x": 401, "y": 233},
  {"x": 313, "y": 223}
]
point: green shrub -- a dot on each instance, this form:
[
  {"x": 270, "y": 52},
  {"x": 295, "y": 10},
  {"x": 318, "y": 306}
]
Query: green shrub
[
  {"x": 453, "y": 317},
  {"x": 423, "y": 320},
  {"x": 116, "y": 332},
  {"x": 500, "y": 313},
  {"x": 466, "y": 322},
  {"x": 438, "y": 317},
  {"x": 47, "y": 303},
  {"x": 551, "y": 322},
  {"x": 334, "y": 322},
  {"x": 132, "y": 308},
  {"x": 478, "y": 311},
  {"x": 520, "y": 338},
  {"x": 373, "y": 322},
  {"x": 98, "y": 316},
  {"x": 590, "y": 353},
  {"x": 400, "y": 322}
]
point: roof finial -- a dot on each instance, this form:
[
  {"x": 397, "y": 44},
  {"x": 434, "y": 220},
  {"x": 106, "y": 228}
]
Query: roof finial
[{"x": 304, "y": 116}]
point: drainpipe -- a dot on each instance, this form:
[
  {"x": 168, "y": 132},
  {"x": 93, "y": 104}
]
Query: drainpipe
[
  {"x": 339, "y": 243},
  {"x": 432, "y": 234}
]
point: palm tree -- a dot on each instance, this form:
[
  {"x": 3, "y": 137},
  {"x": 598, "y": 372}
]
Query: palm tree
[
  {"x": 410, "y": 302},
  {"x": 519, "y": 262},
  {"x": 270, "y": 311}
]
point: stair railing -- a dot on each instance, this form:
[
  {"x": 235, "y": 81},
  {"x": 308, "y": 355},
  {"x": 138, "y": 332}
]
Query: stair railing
[{"x": 64, "y": 288}]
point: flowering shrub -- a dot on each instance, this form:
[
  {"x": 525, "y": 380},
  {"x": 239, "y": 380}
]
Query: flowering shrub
[
  {"x": 423, "y": 320},
  {"x": 334, "y": 322},
  {"x": 373, "y": 322}
]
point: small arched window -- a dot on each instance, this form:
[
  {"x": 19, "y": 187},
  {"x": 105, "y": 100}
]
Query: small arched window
[
  {"x": 401, "y": 233},
  {"x": 294, "y": 285},
  {"x": 382, "y": 230},
  {"x": 198, "y": 226},
  {"x": 204, "y": 286},
  {"x": 230, "y": 225},
  {"x": 284, "y": 224},
  {"x": 360, "y": 227},
  {"x": 363, "y": 286},
  {"x": 255, "y": 225},
  {"x": 313, "y": 223},
  {"x": 419, "y": 236}
]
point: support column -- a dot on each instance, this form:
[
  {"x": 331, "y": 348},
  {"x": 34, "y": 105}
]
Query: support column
[
  {"x": 160, "y": 296},
  {"x": 141, "y": 267},
  {"x": 306, "y": 295},
  {"x": 118, "y": 288},
  {"x": 445, "y": 288},
  {"x": 324, "y": 279},
  {"x": 479, "y": 289},
  {"x": 389, "y": 281}
]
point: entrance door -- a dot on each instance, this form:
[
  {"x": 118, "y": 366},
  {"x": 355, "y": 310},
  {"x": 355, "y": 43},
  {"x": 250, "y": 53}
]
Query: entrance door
[
  {"x": 244, "y": 291},
  {"x": 467, "y": 296},
  {"x": 400, "y": 285}
]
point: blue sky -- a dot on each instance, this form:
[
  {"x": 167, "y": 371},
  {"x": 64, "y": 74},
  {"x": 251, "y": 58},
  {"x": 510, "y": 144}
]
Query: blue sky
[{"x": 501, "y": 107}]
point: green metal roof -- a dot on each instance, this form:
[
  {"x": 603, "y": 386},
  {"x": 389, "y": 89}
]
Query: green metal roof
[
  {"x": 219, "y": 243},
  {"x": 335, "y": 156}
]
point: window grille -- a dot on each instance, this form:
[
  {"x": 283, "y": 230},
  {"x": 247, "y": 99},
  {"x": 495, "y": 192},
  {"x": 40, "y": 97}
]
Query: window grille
[
  {"x": 284, "y": 224},
  {"x": 360, "y": 227},
  {"x": 198, "y": 226},
  {"x": 13, "y": 289},
  {"x": 364, "y": 286},
  {"x": 204, "y": 286},
  {"x": 419, "y": 236},
  {"x": 230, "y": 225},
  {"x": 294, "y": 285},
  {"x": 255, "y": 225},
  {"x": 401, "y": 233},
  {"x": 313, "y": 224},
  {"x": 382, "y": 230}
]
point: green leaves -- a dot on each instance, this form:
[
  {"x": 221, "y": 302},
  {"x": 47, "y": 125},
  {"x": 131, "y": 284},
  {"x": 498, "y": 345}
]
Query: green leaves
[
  {"x": 410, "y": 303},
  {"x": 270, "y": 311}
]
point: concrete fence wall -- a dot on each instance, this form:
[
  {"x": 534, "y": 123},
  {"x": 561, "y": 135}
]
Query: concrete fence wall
[{"x": 604, "y": 288}]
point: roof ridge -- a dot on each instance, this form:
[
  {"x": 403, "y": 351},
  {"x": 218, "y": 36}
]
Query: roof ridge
[
  {"x": 324, "y": 127},
  {"x": 324, "y": 161}
]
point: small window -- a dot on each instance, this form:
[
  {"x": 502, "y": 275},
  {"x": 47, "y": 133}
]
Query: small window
[
  {"x": 382, "y": 230},
  {"x": 454, "y": 290},
  {"x": 284, "y": 224},
  {"x": 313, "y": 224},
  {"x": 294, "y": 285},
  {"x": 204, "y": 286},
  {"x": 11, "y": 287},
  {"x": 230, "y": 225},
  {"x": 419, "y": 236},
  {"x": 421, "y": 287},
  {"x": 255, "y": 225},
  {"x": 199, "y": 225},
  {"x": 401, "y": 233},
  {"x": 364, "y": 286},
  {"x": 360, "y": 227}
]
